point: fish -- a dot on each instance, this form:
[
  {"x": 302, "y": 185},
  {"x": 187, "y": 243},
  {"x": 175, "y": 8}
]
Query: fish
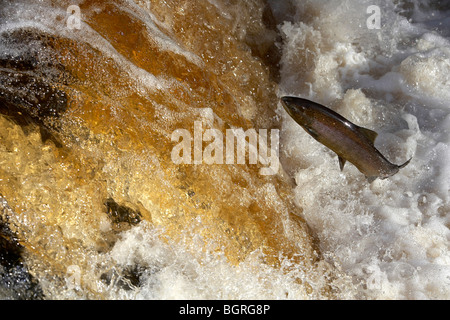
[{"x": 349, "y": 141}]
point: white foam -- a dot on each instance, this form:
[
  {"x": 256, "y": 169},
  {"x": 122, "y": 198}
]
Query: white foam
[{"x": 174, "y": 271}]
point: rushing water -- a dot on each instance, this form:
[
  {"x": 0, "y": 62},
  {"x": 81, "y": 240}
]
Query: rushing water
[
  {"x": 93, "y": 207},
  {"x": 392, "y": 233}
]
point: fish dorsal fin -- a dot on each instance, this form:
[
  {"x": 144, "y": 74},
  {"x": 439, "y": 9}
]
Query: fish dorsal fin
[
  {"x": 369, "y": 134},
  {"x": 341, "y": 163}
]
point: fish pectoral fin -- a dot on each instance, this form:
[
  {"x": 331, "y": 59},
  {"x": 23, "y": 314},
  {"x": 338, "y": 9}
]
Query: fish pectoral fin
[
  {"x": 341, "y": 162},
  {"x": 312, "y": 132},
  {"x": 369, "y": 134},
  {"x": 371, "y": 179}
]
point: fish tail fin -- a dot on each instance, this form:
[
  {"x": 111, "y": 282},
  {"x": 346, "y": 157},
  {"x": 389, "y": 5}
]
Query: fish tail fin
[{"x": 405, "y": 164}]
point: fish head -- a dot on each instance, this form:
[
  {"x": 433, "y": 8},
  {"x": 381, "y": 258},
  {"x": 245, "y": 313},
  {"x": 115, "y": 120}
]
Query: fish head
[{"x": 301, "y": 110}]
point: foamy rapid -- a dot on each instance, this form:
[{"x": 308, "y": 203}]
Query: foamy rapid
[
  {"x": 389, "y": 239},
  {"x": 391, "y": 236},
  {"x": 174, "y": 271}
]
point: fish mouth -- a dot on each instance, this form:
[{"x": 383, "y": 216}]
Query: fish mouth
[
  {"x": 292, "y": 106},
  {"x": 288, "y": 100},
  {"x": 288, "y": 103}
]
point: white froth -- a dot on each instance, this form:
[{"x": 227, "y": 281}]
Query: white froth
[{"x": 174, "y": 271}]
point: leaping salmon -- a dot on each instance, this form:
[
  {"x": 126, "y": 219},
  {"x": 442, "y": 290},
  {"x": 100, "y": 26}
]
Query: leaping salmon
[{"x": 349, "y": 141}]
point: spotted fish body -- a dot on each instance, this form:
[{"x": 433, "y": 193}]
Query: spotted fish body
[{"x": 349, "y": 141}]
